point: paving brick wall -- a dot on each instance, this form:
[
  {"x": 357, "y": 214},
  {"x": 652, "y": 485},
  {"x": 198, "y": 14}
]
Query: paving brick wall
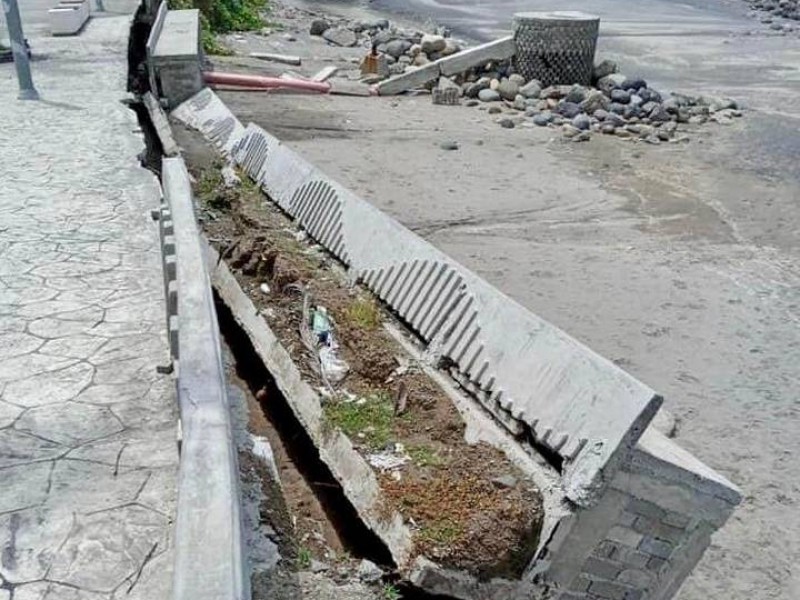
[{"x": 654, "y": 527}]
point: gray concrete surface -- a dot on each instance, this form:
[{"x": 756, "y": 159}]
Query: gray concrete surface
[
  {"x": 87, "y": 425},
  {"x": 679, "y": 262},
  {"x": 522, "y": 369},
  {"x": 209, "y": 561}
]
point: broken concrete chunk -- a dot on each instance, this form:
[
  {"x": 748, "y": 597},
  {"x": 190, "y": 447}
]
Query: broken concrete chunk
[
  {"x": 369, "y": 572},
  {"x": 340, "y": 36}
]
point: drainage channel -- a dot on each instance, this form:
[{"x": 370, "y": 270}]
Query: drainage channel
[
  {"x": 304, "y": 538},
  {"x": 306, "y": 512}
]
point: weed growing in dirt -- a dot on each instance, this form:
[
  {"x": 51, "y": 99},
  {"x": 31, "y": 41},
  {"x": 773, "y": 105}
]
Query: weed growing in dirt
[
  {"x": 441, "y": 532},
  {"x": 425, "y": 456},
  {"x": 304, "y": 558},
  {"x": 210, "y": 190},
  {"x": 390, "y": 592},
  {"x": 366, "y": 419},
  {"x": 248, "y": 186},
  {"x": 363, "y": 313}
]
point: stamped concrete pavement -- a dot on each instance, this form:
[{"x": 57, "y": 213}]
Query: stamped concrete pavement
[{"x": 88, "y": 457}]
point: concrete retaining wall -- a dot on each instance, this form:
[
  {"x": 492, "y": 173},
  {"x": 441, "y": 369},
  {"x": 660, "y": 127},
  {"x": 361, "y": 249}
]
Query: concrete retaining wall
[
  {"x": 209, "y": 560},
  {"x": 174, "y": 55},
  {"x": 533, "y": 377},
  {"x": 643, "y": 508}
]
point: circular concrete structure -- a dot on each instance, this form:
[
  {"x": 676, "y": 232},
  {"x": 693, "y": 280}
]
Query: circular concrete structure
[{"x": 555, "y": 47}]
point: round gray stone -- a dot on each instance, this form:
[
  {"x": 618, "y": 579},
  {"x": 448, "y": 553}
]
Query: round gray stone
[{"x": 488, "y": 95}]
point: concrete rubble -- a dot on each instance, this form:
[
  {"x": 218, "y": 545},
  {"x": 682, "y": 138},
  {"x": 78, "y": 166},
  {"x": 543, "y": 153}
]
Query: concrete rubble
[{"x": 615, "y": 104}]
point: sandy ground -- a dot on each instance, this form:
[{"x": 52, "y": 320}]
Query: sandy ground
[{"x": 677, "y": 261}]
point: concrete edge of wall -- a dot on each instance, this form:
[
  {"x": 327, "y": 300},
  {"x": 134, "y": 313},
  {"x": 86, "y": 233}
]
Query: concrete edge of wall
[
  {"x": 209, "y": 558},
  {"x": 152, "y": 39},
  {"x": 161, "y": 124}
]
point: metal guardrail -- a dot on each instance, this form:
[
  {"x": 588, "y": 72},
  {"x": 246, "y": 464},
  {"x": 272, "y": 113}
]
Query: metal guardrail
[{"x": 209, "y": 558}]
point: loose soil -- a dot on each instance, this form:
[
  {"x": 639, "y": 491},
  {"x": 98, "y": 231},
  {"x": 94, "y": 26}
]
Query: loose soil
[{"x": 459, "y": 516}]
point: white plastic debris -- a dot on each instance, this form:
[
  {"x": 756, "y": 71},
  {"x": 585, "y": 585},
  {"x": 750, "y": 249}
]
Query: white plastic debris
[
  {"x": 334, "y": 369},
  {"x": 264, "y": 288},
  {"x": 229, "y": 177},
  {"x": 387, "y": 461}
]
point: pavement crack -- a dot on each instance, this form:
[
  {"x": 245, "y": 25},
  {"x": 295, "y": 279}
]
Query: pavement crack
[
  {"x": 138, "y": 574},
  {"x": 119, "y": 457}
]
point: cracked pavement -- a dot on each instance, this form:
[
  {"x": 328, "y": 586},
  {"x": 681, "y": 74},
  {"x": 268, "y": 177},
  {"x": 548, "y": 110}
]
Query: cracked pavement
[{"x": 88, "y": 455}]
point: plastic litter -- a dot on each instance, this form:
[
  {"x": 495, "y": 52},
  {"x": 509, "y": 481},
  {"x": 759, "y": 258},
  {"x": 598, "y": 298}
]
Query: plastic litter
[
  {"x": 229, "y": 177},
  {"x": 316, "y": 331},
  {"x": 386, "y": 461},
  {"x": 334, "y": 369},
  {"x": 321, "y": 324}
]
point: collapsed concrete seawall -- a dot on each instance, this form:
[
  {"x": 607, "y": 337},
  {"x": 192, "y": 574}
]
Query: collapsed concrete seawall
[{"x": 642, "y": 509}]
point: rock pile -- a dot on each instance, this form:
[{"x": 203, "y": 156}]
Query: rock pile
[
  {"x": 404, "y": 49},
  {"x": 614, "y": 105},
  {"x": 776, "y": 10}
]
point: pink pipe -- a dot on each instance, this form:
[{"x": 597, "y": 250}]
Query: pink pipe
[{"x": 265, "y": 83}]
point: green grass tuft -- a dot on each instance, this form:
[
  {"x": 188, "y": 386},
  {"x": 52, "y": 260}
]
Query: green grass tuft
[
  {"x": 425, "y": 456},
  {"x": 373, "y": 417},
  {"x": 363, "y": 313},
  {"x": 442, "y": 532},
  {"x": 304, "y": 558},
  {"x": 390, "y": 592}
]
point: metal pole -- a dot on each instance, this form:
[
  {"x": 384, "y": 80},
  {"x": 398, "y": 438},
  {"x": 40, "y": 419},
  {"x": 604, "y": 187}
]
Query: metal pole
[{"x": 14, "y": 24}]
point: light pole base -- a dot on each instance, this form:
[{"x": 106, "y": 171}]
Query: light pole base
[{"x": 28, "y": 95}]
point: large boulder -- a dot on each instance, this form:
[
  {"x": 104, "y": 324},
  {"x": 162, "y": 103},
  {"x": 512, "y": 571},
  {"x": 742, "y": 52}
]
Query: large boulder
[
  {"x": 621, "y": 96},
  {"x": 576, "y": 94},
  {"x": 532, "y": 89},
  {"x": 433, "y": 43},
  {"x": 488, "y": 95},
  {"x": 450, "y": 47},
  {"x": 471, "y": 90},
  {"x": 570, "y": 110},
  {"x": 319, "y": 26},
  {"x": 633, "y": 84},
  {"x": 397, "y": 48}
]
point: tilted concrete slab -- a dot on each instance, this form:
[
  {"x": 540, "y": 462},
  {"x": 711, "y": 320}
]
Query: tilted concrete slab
[
  {"x": 449, "y": 65},
  {"x": 351, "y": 470},
  {"x": 534, "y": 378},
  {"x": 528, "y": 373},
  {"x": 651, "y": 523},
  {"x": 206, "y": 112}
]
